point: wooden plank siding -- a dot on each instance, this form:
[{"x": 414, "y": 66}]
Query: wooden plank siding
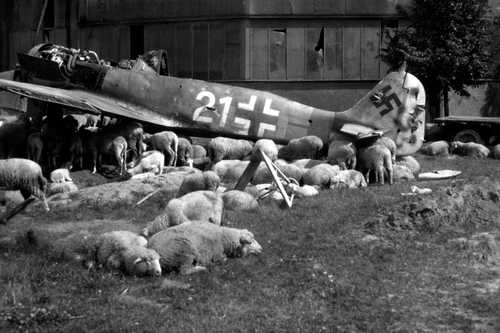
[{"x": 348, "y": 50}]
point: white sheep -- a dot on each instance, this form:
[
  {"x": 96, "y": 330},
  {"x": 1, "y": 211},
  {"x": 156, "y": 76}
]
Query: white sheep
[
  {"x": 402, "y": 172},
  {"x": 165, "y": 142},
  {"x": 60, "y": 176},
  {"x": 263, "y": 175},
  {"x": 199, "y": 205},
  {"x": 221, "y": 148},
  {"x": 208, "y": 180},
  {"x": 127, "y": 251},
  {"x": 306, "y": 163},
  {"x": 471, "y": 149},
  {"x": 436, "y": 148},
  {"x": 496, "y": 152},
  {"x": 348, "y": 179},
  {"x": 377, "y": 159},
  {"x": 19, "y": 174},
  {"x": 268, "y": 147},
  {"x": 320, "y": 175},
  {"x": 303, "y": 191},
  {"x": 343, "y": 154},
  {"x": 305, "y": 147},
  {"x": 410, "y": 162},
  {"x": 153, "y": 161},
  {"x": 190, "y": 247},
  {"x": 239, "y": 201},
  {"x": 390, "y": 144},
  {"x": 66, "y": 187},
  {"x": 229, "y": 171}
]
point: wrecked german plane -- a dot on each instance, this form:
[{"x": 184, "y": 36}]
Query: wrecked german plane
[{"x": 80, "y": 80}]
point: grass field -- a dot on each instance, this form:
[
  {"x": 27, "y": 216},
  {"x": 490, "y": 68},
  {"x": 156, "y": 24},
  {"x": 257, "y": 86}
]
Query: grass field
[{"x": 367, "y": 260}]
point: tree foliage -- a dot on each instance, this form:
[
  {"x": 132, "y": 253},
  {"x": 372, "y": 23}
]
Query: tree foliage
[{"x": 446, "y": 43}]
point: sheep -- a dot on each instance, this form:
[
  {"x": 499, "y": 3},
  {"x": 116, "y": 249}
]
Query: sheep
[
  {"x": 66, "y": 187},
  {"x": 60, "y": 175},
  {"x": 348, "y": 179},
  {"x": 152, "y": 160},
  {"x": 263, "y": 175},
  {"x": 472, "y": 149},
  {"x": 23, "y": 175},
  {"x": 303, "y": 191},
  {"x": 268, "y": 147},
  {"x": 133, "y": 133},
  {"x": 320, "y": 175},
  {"x": 304, "y": 147},
  {"x": 208, "y": 180},
  {"x": 390, "y": 144},
  {"x": 496, "y": 152},
  {"x": 436, "y": 148},
  {"x": 199, "y": 152},
  {"x": 402, "y": 172},
  {"x": 199, "y": 205},
  {"x": 410, "y": 162},
  {"x": 230, "y": 171},
  {"x": 190, "y": 247},
  {"x": 239, "y": 200},
  {"x": 343, "y": 154},
  {"x": 127, "y": 251},
  {"x": 221, "y": 148},
  {"x": 166, "y": 142},
  {"x": 102, "y": 143},
  {"x": 184, "y": 152},
  {"x": 306, "y": 163},
  {"x": 34, "y": 147},
  {"x": 377, "y": 159}
]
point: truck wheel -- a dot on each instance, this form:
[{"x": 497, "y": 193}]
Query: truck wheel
[{"x": 468, "y": 135}]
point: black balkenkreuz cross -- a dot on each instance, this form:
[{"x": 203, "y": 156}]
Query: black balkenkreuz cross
[{"x": 381, "y": 99}]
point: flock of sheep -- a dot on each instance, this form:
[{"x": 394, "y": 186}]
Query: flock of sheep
[{"x": 189, "y": 234}]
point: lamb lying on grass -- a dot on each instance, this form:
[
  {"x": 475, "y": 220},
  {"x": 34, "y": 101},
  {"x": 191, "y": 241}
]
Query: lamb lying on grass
[
  {"x": 436, "y": 148},
  {"x": 190, "y": 247},
  {"x": 320, "y": 175},
  {"x": 348, "y": 179},
  {"x": 150, "y": 161},
  {"x": 470, "y": 149},
  {"x": 60, "y": 176},
  {"x": 200, "y": 205},
  {"x": 19, "y": 174},
  {"x": 239, "y": 200},
  {"x": 411, "y": 163},
  {"x": 127, "y": 251}
]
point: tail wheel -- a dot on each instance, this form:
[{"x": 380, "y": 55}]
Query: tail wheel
[{"x": 468, "y": 135}]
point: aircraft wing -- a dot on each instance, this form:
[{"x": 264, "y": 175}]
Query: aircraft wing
[{"x": 87, "y": 101}]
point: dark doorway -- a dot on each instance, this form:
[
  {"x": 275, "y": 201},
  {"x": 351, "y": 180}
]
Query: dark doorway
[{"x": 136, "y": 40}]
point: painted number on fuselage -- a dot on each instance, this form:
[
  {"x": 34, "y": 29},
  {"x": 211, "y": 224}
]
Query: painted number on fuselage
[
  {"x": 241, "y": 123},
  {"x": 381, "y": 99}
]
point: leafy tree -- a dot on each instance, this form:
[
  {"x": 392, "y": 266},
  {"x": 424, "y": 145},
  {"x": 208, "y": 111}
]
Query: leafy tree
[{"x": 446, "y": 45}]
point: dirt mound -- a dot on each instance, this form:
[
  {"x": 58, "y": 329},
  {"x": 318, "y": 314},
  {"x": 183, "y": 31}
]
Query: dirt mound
[{"x": 454, "y": 207}]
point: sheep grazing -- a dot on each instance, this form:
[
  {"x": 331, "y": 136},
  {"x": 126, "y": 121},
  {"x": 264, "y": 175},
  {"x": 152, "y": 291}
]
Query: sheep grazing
[
  {"x": 102, "y": 143},
  {"x": 495, "y": 153},
  {"x": 166, "y": 142},
  {"x": 436, "y": 148},
  {"x": 230, "y": 171},
  {"x": 347, "y": 179},
  {"x": 200, "y": 157},
  {"x": 221, "y": 148},
  {"x": 60, "y": 176},
  {"x": 66, "y": 187},
  {"x": 200, "y": 205},
  {"x": 184, "y": 152},
  {"x": 471, "y": 149},
  {"x": 320, "y": 175},
  {"x": 239, "y": 200},
  {"x": 23, "y": 175},
  {"x": 208, "y": 180},
  {"x": 304, "y": 147},
  {"x": 150, "y": 161},
  {"x": 268, "y": 147},
  {"x": 190, "y": 247},
  {"x": 390, "y": 144},
  {"x": 127, "y": 251},
  {"x": 410, "y": 162},
  {"x": 377, "y": 159},
  {"x": 343, "y": 154},
  {"x": 34, "y": 147}
]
